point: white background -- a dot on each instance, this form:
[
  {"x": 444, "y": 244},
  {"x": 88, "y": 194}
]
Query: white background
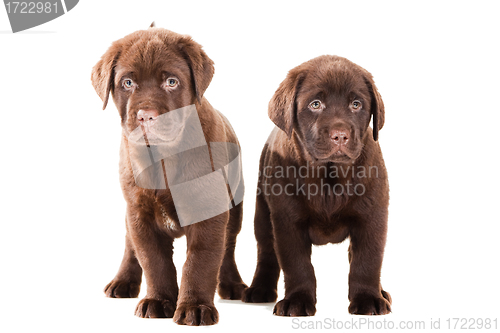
[{"x": 62, "y": 211}]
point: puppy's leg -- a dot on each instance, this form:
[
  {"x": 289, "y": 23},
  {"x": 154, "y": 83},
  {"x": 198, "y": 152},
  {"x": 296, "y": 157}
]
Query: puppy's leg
[
  {"x": 293, "y": 246},
  {"x": 230, "y": 284},
  {"x": 265, "y": 281},
  {"x": 365, "y": 256},
  {"x": 154, "y": 251},
  {"x": 127, "y": 282},
  {"x": 205, "y": 249}
]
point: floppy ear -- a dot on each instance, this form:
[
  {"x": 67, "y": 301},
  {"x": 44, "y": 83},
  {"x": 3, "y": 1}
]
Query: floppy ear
[
  {"x": 282, "y": 106},
  {"x": 103, "y": 73},
  {"x": 201, "y": 66},
  {"x": 376, "y": 107}
]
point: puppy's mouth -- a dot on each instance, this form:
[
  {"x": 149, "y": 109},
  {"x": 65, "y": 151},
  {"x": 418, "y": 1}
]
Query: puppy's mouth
[
  {"x": 336, "y": 155},
  {"x": 155, "y": 137},
  {"x": 160, "y": 132}
]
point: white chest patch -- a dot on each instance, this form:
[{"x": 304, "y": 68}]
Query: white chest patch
[{"x": 167, "y": 222}]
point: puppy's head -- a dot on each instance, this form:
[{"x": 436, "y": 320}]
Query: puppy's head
[
  {"x": 328, "y": 101},
  {"x": 149, "y": 73}
]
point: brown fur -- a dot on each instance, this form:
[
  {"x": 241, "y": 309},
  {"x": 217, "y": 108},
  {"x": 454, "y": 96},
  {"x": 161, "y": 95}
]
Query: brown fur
[
  {"x": 147, "y": 57},
  {"x": 287, "y": 225}
]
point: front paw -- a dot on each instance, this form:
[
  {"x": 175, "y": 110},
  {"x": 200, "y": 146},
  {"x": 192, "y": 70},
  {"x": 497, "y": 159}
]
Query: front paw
[
  {"x": 295, "y": 305},
  {"x": 369, "y": 304},
  {"x": 122, "y": 289},
  {"x": 153, "y": 308},
  {"x": 196, "y": 314}
]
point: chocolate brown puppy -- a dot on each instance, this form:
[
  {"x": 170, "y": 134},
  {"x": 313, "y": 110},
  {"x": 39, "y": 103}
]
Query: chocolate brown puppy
[
  {"x": 322, "y": 180},
  {"x": 150, "y": 73}
]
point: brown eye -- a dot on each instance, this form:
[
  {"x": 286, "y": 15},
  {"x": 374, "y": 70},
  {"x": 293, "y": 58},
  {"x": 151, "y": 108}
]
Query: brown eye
[
  {"x": 127, "y": 83},
  {"x": 356, "y": 105},
  {"x": 172, "y": 82},
  {"x": 315, "y": 105}
]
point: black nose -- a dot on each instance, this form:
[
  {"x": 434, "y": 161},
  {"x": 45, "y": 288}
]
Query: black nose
[{"x": 339, "y": 137}]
